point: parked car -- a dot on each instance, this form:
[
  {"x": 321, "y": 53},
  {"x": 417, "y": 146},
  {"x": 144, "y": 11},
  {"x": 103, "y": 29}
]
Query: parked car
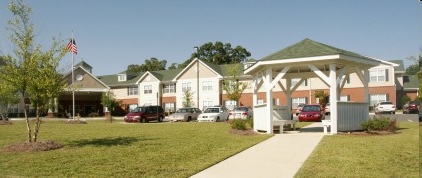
[
  {"x": 214, "y": 114},
  {"x": 385, "y": 107},
  {"x": 299, "y": 108},
  {"x": 312, "y": 112},
  {"x": 185, "y": 114},
  {"x": 411, "y": 107},
  {"x": 145, "y": 114},
  {"x": 242, "y": 112},
  {"x": 327, "y": 109}
]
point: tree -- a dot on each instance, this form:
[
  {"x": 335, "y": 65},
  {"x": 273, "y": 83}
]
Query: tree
[
  {"x": 30, "y": 71},
  {"x": 219, "y": 53},
  {"x": 149, "y": 65},
  {"x": 108, "y": 100},
  {"x": 322, "y": 96},
  {"x": 412, "y": 69},
  {"x": 187, "y": 98},
  {"x": 173, "y": 66},
  {"x": 232, "y": 86},
  {"x": 8, "y": 97}
]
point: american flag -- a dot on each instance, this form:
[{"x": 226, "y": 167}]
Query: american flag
[{"x": 71, "y": 46}]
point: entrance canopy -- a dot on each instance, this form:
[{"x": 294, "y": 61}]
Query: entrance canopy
[{"x": 307, "y": 59}]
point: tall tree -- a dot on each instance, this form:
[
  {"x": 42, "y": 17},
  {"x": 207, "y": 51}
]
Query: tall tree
[
  {"x": 149, "y": 65},
  {"x": 219, "y": 53},
  {"x": 233, "y": 87},
  {"x": 30, "y": 71}
]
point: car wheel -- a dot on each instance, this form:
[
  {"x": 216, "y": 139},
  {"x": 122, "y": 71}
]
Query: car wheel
[
  {"x": 218, "y": 119},
  {"x": 297, "y": 114},
  {"x": 189, "y": 119},
  {"x": 143, "y": 120},
  {"x": 393, "y": 112},
  {"x": 160, "y": 119}
]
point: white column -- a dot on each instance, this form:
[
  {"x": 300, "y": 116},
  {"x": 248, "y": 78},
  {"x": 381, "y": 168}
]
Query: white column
[
  {"x": 289, "y": 93},
  {"x": 333, "y": 98},
  {"x": 269, "y": 98}
]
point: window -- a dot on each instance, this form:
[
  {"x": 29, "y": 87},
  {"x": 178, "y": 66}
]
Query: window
[
  {"x": 169, "y": 88},
  {"x": 345, "y": 98},
  {"x": 376, "y": 98},
  {"x": 260, "y": 101},
  {"x": 206, "y": 104},
  {"x": 379, "y": 75},
  {"x": 122, "y": 78},
  {"x": 169, "y": 107},
  {"x": 132, "y": 91},
  {"x": 297, "y": 101},
  {"x": 296, "y": 80},
  {"x": 186, "y": 86},
  {"x": 147, "y": 89},
  {"x": 207, "y": 85}
]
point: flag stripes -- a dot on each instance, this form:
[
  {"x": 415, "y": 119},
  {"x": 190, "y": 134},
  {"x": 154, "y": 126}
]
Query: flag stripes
[{"x": 71, "y": 46}]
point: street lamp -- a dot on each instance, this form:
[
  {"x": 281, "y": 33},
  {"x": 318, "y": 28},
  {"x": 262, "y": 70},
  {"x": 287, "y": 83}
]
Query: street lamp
[{"x": 197, "y": 75}]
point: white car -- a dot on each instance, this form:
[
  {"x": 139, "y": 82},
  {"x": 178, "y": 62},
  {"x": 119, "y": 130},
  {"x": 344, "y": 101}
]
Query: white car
[
  {"x": 185, "y": 114},
  {"x": 214, "y": 114},
  {"x": 385, "y": 107},
  {"x": 327, "y": 109},
  {"x": 242, "y": 112}
]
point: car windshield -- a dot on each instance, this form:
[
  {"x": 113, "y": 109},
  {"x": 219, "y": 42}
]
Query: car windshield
[
  {"x": 211, "y": 110},
  {"x": 241, "y": 109},
  {"x": 414, "y": 102},
  {"x": 184, "y": 110},
  {"x": 140, "y": 109},
  {"x": 385, "y": 103},
  {"x": 310, "y": 108}
]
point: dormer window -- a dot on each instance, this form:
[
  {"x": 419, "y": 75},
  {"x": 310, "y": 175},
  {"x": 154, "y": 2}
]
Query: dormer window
[{"x": 122, "y": 77}]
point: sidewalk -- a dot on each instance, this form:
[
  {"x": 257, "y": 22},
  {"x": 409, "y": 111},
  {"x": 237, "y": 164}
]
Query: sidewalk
[{"x": 280, "y": 156}]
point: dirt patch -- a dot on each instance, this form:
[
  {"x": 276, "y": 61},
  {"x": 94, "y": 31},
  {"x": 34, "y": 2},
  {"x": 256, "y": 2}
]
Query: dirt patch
[
  {"x": 365, "y": 133},
  {"x": 33, "y": 146},
  {"x": 242, "y": 132},
  {"x": 5, "y": 122},
  {"x": 75, "y": 122}
]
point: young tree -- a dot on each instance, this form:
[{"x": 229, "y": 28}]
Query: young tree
[
  {"x": 187, "y": 98},
  {"x": 30, "y": 71},
  {"x": 108, "y": 100},
  {"x": 8, "y": 97},
  {"x": 322, "y": 96},
  {"x": 232, "y": 86}
]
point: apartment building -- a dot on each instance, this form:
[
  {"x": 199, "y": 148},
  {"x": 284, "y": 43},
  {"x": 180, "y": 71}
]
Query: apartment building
[{"x": 205, "y": 80}]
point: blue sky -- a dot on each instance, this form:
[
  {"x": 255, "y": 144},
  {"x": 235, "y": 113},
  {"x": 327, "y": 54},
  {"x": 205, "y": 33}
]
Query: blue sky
[{"x": 112, "y": 34}]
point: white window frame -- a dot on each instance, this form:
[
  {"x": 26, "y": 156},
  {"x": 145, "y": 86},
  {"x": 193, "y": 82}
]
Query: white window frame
[
  {"x": 169, "y": 107},
  {"x": 207, "y": 86},
  {"x": 121, "y": 78},
  {"x": 376, "y": 98},
  {"x": 147, "y": 89},
  {"x": 206, "y": 104},
  {"x": 132, "y": 90},
  {"x": 378, "y": 75},
  {"x": 296, "y": 80},
  {"x": 297, "y": 101},
  {"x": 187, "y": 86},
  {"x": 169, "y": 88}
]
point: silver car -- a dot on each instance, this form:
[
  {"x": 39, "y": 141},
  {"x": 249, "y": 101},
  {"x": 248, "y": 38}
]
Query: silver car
[
  {"x": 185, "y": 114},
  {"x": 242, "y": 112}
]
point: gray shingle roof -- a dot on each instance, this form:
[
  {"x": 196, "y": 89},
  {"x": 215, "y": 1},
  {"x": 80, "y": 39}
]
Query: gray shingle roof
[
  {"x": 411, "y": 81},
  {"x": 400, "y": 67},
  {"x": 308, "y": 48}
]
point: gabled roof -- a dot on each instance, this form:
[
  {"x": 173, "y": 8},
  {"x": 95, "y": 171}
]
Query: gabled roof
[
  {"x": 90, "y": 74},
  {"x": 400, "y": 68},
  {"x": 112, "y": 80},
  {"x": 308, "y": 48},
  {"x": 83, "y": 64},
  {"x": 213, "y": 67},
  {"x": 410, "y": 82}
]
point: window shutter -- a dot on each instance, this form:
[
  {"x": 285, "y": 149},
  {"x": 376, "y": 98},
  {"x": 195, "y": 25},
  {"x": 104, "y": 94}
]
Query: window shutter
[
  {"x": 306, "y": 82},
  {"x": 387, "y": 97},
  {"x": 306, "y": 100},
  {"x": 127, "y": 91},
  {"x": 386, "y": 75}
]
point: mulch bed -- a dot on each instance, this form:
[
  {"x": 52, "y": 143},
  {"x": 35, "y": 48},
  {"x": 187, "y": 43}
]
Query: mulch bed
[
  {"x": 364, "y": 133},
  {"x": 242, "y": 132},
  {"x": 33, "y": 146},
  {"x": 5, "y": 122}
]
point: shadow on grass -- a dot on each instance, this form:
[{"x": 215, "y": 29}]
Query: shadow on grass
[{"x": 107, "y": 141}]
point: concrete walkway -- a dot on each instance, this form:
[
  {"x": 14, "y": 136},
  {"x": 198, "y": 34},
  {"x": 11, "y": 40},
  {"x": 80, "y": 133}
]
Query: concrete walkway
[{"x": 280, "y": 156}]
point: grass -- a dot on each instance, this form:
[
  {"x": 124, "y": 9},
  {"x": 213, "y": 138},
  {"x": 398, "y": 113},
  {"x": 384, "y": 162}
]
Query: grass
[
  {"x": 394, "y": 155},
  {"x": 103, "y": 149}
]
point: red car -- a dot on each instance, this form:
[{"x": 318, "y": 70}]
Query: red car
[
  {"x": 312, "y": 113},
  {"x": 411, "y": 107}
]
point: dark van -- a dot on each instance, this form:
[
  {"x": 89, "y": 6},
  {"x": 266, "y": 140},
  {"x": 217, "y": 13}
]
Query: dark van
[{"x": 145, "y": 114}]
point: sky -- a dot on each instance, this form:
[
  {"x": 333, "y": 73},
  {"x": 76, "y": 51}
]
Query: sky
[{"x": 111, "y": 34}]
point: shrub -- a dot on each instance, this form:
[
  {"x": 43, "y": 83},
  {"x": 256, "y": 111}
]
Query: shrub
[
  {"x": 238, "y": 124},
  {"x": 380, "y": 124},
  {"x": 249, "y": 123}
]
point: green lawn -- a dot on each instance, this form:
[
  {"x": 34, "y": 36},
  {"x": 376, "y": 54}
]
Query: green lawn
[
  {"x": 394, "y": 155},
  {"x": 101, "y": 149}
]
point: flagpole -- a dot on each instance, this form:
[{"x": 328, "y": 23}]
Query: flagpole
[{"x": 73, "y": 87}]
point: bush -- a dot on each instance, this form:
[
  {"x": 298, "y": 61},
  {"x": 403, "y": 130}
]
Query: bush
[
  {"x": 249, "y": 123},
  {"x": 238, "y": 124},
  {"x": 380, "y": 124}
]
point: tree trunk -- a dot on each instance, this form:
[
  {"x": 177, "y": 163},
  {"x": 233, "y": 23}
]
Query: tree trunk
[
  {"x": 28, "y": 126},
  {"x": 37, "y": 125}
]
